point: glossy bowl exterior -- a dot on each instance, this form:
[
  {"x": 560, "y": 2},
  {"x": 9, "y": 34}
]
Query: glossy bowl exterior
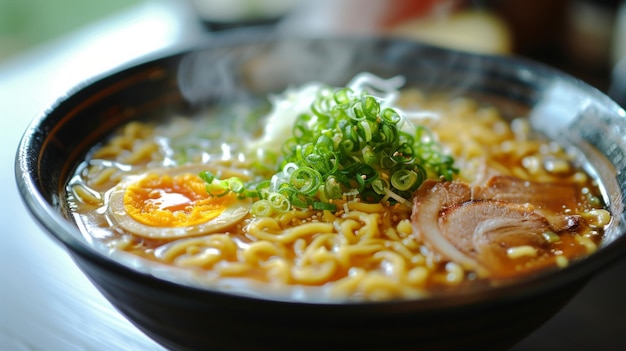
[{"x": 238, "y": 66}]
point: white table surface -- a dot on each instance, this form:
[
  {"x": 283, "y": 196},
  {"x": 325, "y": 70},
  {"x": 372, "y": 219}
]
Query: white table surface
[{"x": 46, "y": 303}]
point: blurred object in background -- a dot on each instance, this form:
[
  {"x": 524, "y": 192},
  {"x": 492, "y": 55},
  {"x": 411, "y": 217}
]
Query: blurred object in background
[
  {"x": 228, "y": 14},
  {"x": 589, "y": 31},
  {"x": 449, "y": 23},
  {"x": 619, "y": 35},
  {"x": 536, "y": 25},
  {"x": 585, "y": 38},
  {"x": 579, "y": 37},
  {"x": 361, "y": 17},
  {"x": 588, "y": 43},
  {"x": 480, "y": 31},
  {"x": 571, "y": 35},
  {"x": 617, "y": 89}
]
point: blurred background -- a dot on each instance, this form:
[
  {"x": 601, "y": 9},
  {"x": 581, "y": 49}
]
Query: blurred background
[
  {"x": 586, "y": 38},
  {"x": 48, "y": 47},
  {"x": 28, "y": 23}
]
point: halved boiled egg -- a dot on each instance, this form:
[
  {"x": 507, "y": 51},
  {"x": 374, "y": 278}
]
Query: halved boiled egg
[{"x": 172, "y": 203}]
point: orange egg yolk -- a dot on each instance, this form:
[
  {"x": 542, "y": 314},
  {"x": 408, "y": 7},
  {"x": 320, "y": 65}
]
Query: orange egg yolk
[{"x": 173, "y": 201}]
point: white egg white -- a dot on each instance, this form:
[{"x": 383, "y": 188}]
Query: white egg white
[{"x": 231, "y": 215}]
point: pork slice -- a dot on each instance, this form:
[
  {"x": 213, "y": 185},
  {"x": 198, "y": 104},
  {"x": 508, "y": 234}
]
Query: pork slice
[
  {"x": 544, "y": 196},
  {"x": 430, "y": 199},
  {"x": 486, "y": 229},
  {"x": 551, "y": 200},
  {"x": 476, "y": 227}
]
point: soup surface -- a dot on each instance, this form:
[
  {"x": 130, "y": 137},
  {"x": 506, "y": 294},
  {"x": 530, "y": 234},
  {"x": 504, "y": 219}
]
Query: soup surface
[{"x": 369, "y": 192}]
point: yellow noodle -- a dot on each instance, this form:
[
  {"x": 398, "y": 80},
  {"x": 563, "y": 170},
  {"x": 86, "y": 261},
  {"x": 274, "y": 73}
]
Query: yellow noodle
[
  {"x": 299, "y": 246},
  {"x": 314, "y": 274},
  {"x": 103, "y": 177},
  {"x": 294, "y": 217},
  {"x": 318, "y": 249},
  {"x": 587, "y": 243},
  {"x": 223, "y": 243},
  {"x": 348, "y": 229},
  {"x": 597, "y": 218},
  {"x": 278, "y": 269},
  {"x": 392, "y": 264},
  {"x": 110, "y": 151},
  {"x": 261, "y": 251},
  {"x": 418, "y": 260},
  {"x": 288, "y": 235},
  {"x": 346, "y": 254},
  {"x": 391, "y": 234},
  {"x": 124, "y": 242},
  {"x": 141, "y": 153},
  {"x": 233, "y": 269},
  {"x": 379, "y": 287},
  {"x": 316, "y": 256},
  {"x": 370, "y": 227},
  {"x": 365, "y": 207},
  {"x": 87, "y": 195},
  {"x": 348, "y": 285},
  {"x": 417, "y": 276},
  {"x": 129, "y": 135},
  {"x": 205, "y": 258},
  {"x": 401, "y": 250}
]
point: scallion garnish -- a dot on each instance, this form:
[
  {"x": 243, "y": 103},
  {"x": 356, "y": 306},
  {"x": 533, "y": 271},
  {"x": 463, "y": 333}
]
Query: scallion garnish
[
  {"x": 346, "y": 146},
  {"x": 218, "y": 187},
  {"x": 346, "y": 142}
]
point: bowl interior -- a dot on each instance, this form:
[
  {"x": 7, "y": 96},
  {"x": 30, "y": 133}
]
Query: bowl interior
[{"x": 239, "y": 67}]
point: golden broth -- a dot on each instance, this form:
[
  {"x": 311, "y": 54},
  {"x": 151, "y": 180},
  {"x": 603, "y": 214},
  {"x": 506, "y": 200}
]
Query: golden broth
[{"x": 361, "y": 251}]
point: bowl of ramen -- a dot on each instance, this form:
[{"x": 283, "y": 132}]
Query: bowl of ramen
[{"x": 262, "y": 192}]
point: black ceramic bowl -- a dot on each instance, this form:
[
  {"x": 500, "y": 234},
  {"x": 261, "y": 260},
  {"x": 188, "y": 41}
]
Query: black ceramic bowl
[{"x": 238, "y": 65}]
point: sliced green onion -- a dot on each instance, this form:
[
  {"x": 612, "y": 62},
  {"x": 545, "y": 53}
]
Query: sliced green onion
[
  {"x": 279, "y": 202},
  {"x": 318, "y": 205},
  {"x": 370, "y": 156},
  {"x": 343, "y": 96},
  {"x": 366, "y": 130},
  {"x": 404, "y": 180},
  {"x": 236, "y": 185},
  {"x": 390, "y": 116},
  {"x": 249, "y": 193},
  {"x": 387, "y": 133},
  {"x": 324, "y": 142},
  {"x": 306, "y": 180},
  {"x": 379, "y": 185},
  {"x": 217, "y": 188},
  {"x": 316, "y": 161},
  {"x": 332, "y": 188},
  {"x": 388, "y": 162},
  {"x": 370, "y": 106},
  {"x": 261, "y": 208},
  {"x": 206, "y": 176},
  {"x": 348, "y": 146},
  {"x": 403, "y": 153},
  {"x": 263, "y": 189}
]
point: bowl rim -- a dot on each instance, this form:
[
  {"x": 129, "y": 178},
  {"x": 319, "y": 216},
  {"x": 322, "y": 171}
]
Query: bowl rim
[{"x": 67, "y": 234}]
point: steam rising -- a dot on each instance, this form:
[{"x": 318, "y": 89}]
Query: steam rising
[{"x": 263, "y": 67}]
